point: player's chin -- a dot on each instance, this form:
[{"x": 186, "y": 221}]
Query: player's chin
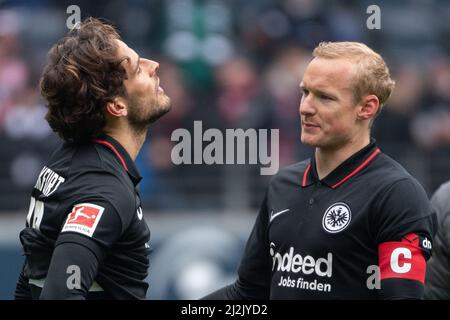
[
  {"x": 165, "y": 103},
  {"x": 308, "y": 139}
]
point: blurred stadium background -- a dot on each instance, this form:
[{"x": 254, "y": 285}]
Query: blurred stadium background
[{"x": 230, "y": 64}]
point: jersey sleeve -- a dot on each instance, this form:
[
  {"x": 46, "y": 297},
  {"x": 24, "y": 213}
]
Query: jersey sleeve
[
  {"x": 71, "y": 273},
  {"x": 92, "y": 185},
  {"x": 93, "y": 223},
  {"x": 89, "y": 230},
  {"x": 22, "y": 291},
  {"x": 437, "y": 285},
  {"x": 254, "y": 269},
  {"x": 404, "y": 208},
  {"x": 402, "y": 268},
  {"x": 405, "y": 227}
]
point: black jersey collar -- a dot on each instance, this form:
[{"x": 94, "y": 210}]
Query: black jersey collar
[
  {"x": 122, "y": 155},
  {"x": 345, "y": 170}
]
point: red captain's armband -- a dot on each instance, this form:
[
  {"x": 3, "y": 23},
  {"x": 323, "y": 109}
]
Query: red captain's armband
[{"x": 402, "y": 259}]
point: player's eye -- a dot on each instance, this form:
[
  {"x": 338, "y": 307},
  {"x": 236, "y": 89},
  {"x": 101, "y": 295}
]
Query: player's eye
[{"x": 325, "y": 97}]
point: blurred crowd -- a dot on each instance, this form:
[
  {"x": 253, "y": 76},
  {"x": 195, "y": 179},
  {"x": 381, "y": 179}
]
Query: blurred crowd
[{"x": 231, "y": 64}]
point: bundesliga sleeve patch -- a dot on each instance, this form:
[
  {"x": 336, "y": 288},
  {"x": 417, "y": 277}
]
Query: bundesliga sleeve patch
[
  {"x": 83, "y": 219},
  {"x": 402, "y": 259}
]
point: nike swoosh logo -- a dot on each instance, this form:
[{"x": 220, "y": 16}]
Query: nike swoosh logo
[
  {"x": 274, "y": 215},
  {"x": 139, "y": 213}
]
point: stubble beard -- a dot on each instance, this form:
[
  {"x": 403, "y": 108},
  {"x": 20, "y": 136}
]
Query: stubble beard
[{"x": 143, "y": 113}]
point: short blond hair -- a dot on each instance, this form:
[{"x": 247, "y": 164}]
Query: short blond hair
[{"x": 372, "y": 74}]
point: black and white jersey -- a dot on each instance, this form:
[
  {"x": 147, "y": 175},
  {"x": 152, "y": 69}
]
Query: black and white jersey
[
  {"x": 87, "y": 201},
  {"x": 362, "y": 232}
]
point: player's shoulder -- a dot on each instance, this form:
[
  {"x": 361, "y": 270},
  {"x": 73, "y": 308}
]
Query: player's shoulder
[
  {"x": 71, "y": 161},
  {"x": 89, "y": 178},
  {"x": 90, "y": 155},
  {"x": 440, "y": 201},
  {"x": 91, "y": 171},
  {"x": 295, "y": 168},
  {"x": 93, "y": 159},
  {"x": 395, "y": 187},
  {"x": 390, "y": 173},
  {"x": 291, "y": 174},
  {"x": 72, "y": 157},
  {"x": 442, "y": 193}
]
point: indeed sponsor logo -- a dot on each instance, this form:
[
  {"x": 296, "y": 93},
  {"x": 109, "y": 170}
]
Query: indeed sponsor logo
[
  {"x": 427, "y": 244},
  {"x": 295, "y": 263}
]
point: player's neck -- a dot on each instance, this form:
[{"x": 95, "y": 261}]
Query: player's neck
[
  {"x": 328, "y": 159},
  {"x": 131, "y": 140}
]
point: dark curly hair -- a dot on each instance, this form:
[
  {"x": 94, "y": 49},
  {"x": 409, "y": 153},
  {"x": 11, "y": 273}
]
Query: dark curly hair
[{"x": 83, "y": 73}]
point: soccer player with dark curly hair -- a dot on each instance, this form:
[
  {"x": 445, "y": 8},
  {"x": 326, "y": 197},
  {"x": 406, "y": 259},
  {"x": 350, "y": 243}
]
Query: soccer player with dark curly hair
[{"x": 85, "y": 236}]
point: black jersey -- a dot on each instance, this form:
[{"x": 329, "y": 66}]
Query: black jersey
[
  {"x": 86, "y": 198},
  {"x": 356, "y": 234},
  {"x": 438, "y": 271}
]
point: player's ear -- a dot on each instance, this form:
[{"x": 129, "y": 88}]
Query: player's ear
[
  {"x": 117, "y": 108},
  {"x": 368, "y": 107}
]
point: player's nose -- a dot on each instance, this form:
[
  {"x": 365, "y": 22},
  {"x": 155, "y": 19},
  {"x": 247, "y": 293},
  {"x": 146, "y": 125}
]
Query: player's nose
[{"x": 306, "y": 106}]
